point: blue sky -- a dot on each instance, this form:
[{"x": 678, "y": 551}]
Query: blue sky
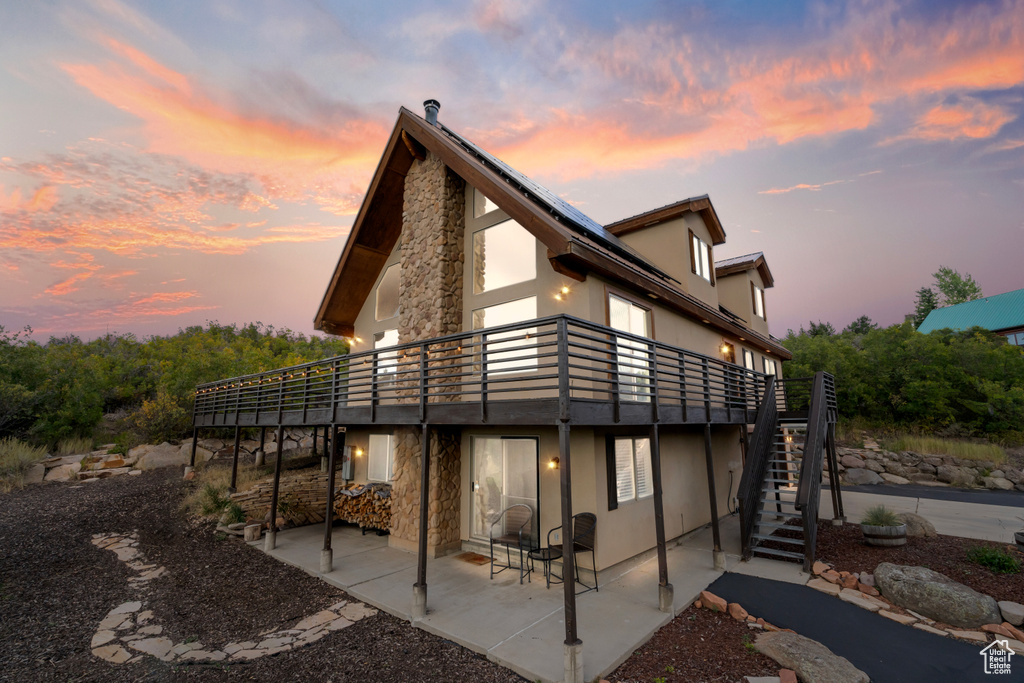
[{"x": 163, "y": 164}]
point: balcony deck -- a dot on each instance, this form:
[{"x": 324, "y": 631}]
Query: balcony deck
[{"x": 540, "y": 372}]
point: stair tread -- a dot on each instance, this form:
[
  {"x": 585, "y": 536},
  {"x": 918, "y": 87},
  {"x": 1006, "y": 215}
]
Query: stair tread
[
  {"x": 769, "y": 537},
  {"x": 772, "y": 513},
  {"x": 780, "y": 553}
]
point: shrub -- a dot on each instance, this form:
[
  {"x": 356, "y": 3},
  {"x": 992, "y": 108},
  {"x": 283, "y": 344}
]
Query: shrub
[
  {"x": 16, "y": 457},
  {"x": 158, "y": 420},
  {"x": 966, "y": 450},
  {"x": 996, "y": 559},
  {"x": 880, "y": 516},
  {"x": 212, "y": 499},
  {"x": 234, "y": 513},
  {"x": 73, "y": 445}
]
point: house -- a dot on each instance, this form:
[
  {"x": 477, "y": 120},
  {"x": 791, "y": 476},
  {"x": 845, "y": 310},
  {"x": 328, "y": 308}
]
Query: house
[
  {"x": 1002, "y": 314},
  {"x": 508, "y": 349}
]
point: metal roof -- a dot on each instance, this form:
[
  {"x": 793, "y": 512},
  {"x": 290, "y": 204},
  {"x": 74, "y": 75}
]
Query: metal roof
[
  {"x": 999, "y": 312},
  {"x": 563, "y": 211},
  {"x": 739, "y": 260}
]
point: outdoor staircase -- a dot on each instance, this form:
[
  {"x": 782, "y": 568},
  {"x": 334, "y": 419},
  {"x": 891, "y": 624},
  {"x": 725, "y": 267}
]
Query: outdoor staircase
[
  {"x": 777, "y": 506},
  {"x": 792, "y": 442}
]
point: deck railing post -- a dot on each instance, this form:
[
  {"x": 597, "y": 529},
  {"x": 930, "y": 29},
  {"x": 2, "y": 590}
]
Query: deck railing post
[
  {"x": 327, "y": 554},
  {"x": 423, "y": 383},
  {"x": 655, "y": 394},
  {"x": 373, "y": 387},
  {"x": 705, "y": 370},
  {"x": 563, "y": 369}
]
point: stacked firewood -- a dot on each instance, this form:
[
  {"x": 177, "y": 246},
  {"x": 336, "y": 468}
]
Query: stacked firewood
[
  {"x": 302, "y": 499},
  {"x": 368, "y": 505}
]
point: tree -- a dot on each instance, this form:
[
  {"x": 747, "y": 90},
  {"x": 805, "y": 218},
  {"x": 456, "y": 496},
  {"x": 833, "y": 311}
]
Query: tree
[
  {"x": 820, "y": 329},
  {"x": 926, "y": 303},
  {"x": 861, "y": 325},
  {"x": 954, "y": 288}
]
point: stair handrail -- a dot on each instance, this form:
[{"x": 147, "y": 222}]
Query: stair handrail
[
  {"x": 809, "y": 489},
  {"x": 752, "y": 482}
]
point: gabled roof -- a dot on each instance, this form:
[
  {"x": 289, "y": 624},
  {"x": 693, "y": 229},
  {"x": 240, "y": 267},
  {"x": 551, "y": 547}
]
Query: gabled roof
[
  {"x": 576, "y": 244},
  {"x": 739, "y": 264},
  {"x": 700, "y": 205},
  {"x": 1000, "y": 312}
]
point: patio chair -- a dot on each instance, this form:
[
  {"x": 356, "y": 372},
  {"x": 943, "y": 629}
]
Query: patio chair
[
  {"x": 512, "y": 528},
  {"x": 584, "y": 527}
]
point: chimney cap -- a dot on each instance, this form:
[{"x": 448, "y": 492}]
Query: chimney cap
[{"x": 432, "y": 107}]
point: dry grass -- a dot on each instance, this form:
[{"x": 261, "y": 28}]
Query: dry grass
[
  {"x": 960, "y": 449},
  {"x": 210, "y": 495},
  {"x": 16, "y": 457},
  {"x": 73, "y": 446}
]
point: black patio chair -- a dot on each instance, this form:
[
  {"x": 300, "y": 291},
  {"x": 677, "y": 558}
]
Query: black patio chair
[
  {"x": 512, "y": 528},
  {"x": 584, "y": 527}
]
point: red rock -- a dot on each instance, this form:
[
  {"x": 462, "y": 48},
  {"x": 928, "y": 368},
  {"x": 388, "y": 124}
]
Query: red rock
[
  {"x": 818, "y": 567},
  {"x": 868, "y": 590},
  {"x": 190, "y": 476},
  {"x": 849, "y": 581},
  {"x": 997, "y": 628},
  {"x": 787, "y": 676},
  {"x": 737, "y": 612},
  {"x": 843, "y": 575},
  {"x": 751, "y": 619},
  {"x": 713, "y": 602},
  {"x": 698, "y": 604},
  {"x": 1014, "y": 631},
  {"x": 831, "y": 576},
  {"x": 761, "y": 621}
]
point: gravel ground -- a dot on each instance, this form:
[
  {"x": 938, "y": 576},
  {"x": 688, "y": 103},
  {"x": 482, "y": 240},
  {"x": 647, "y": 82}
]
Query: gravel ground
[
  {"x": 56, "y": 586},
  {"x": 845, "y": 548},
  {"x": 698, "y": 645}
]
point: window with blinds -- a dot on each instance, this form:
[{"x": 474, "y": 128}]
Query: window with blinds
[
  {"x": 633, "y": 477},
  {"x": 380, "y": 458}
]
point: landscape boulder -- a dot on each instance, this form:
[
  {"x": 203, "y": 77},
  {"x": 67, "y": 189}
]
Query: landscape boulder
[
  {"x": 811, "y": 660},
  {"x": 64, "y": 472},
  {"x": 164, "y": 455},
  {"x": 860, "y": 477},
  {"x": 916, "y": 524},
  {"x": 1013, "y": 612},
  {"x": 935, "y": 596},
  {"x": 957, "y": 476},
  {"x": 852, "y": 461},
  {"x": 997, "y": 483}
]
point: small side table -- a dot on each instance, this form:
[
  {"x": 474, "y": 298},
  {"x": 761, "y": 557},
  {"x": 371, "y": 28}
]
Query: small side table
[{"x": 546, "y": 556}]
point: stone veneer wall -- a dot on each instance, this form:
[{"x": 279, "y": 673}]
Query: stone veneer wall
[{"x": 430, "y": 291}]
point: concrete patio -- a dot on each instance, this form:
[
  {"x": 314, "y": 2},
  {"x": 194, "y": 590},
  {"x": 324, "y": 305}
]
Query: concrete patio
[{"x": 521, "y": 626}]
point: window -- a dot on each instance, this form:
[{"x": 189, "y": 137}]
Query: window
[
  {"x": 1016, "y": 339},
  {"x": 769, "y": 366},
  {"x": 748, "y": 360},
  {"x": 519, "y": 352},
  {"x": 633, "y": 357},
  {"x": 380, "y": 458},
  {"x": 387, "y": 362},
  {"x": 387, "y": 294},
  {"x": 701, "y": 260},
  {"x": 503, "y": 255},
  {"x": 481, "y": 204},
  {"x": 758, "y": 298},
  {"x": 629, "y": 477}
]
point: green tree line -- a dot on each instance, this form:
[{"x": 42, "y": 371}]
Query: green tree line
[
  {"x": 64, "y": 387},
  {"x": 961, "y": 383}
]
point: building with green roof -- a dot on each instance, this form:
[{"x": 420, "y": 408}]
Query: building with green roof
[{"x": 1002, "y": 313}]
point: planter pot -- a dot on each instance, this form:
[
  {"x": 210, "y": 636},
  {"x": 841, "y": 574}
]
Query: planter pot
[
  {"x": 885, "y": 535},
  {"x": 1019, "y": 537}
]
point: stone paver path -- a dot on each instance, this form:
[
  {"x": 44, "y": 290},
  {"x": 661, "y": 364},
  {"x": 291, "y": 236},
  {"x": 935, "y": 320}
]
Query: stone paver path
[{"x": 128, "y": 632}]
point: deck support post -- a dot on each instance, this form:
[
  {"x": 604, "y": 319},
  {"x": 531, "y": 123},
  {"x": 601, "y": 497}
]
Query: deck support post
[
  {"x": 328, "y": 440},
  {"x": 234, "y": 460},
  {"x": 573, "y": 645},
  {"x": 665, "y": 593},
  {"x": 713, "y": 497},
  {"x": 261, "y": 456},
  {"x": 195, "y": 443},
  {"x": 327, "y": 554},
  {"x": 271, "y": 540},
  {"x": 419, "y": 589}
]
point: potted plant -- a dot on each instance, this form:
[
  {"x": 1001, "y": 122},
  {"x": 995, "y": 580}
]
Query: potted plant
[{"x": 881, "y": 526}]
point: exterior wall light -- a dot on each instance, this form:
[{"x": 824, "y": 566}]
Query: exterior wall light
[
  {"x": 553, "y": 463},
  {"x": 359, "y": 452}
]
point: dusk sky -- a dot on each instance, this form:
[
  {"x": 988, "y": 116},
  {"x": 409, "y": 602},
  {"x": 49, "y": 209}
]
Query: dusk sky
[{"x": 167, "y": 163}]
